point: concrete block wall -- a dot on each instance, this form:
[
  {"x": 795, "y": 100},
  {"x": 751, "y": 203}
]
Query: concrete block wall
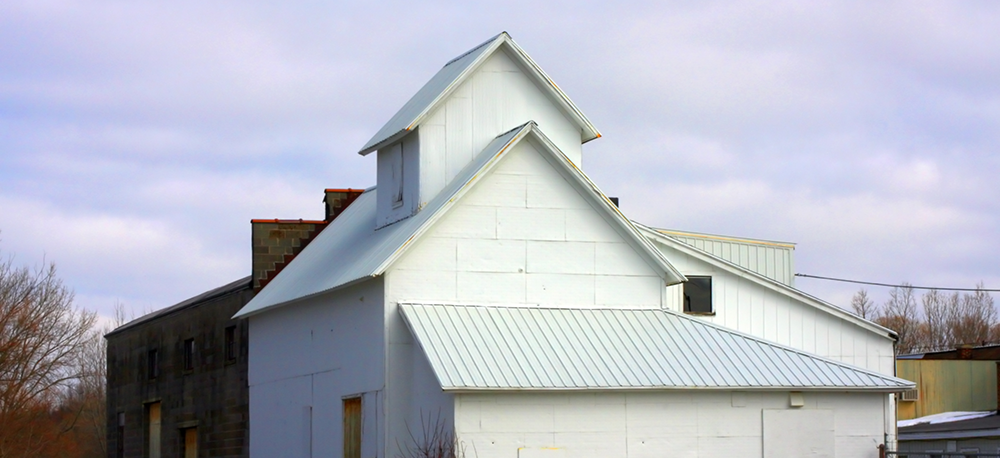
[
  {"x": 276, "y": 242},
  {"x": 213, "y": 396}
]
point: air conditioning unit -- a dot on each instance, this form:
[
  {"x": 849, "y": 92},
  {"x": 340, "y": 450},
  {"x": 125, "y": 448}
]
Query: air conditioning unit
[{"x": 910, "y": 395}]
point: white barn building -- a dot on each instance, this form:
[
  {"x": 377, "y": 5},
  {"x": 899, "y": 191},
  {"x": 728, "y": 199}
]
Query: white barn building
[{"x": 487, "y": 289}]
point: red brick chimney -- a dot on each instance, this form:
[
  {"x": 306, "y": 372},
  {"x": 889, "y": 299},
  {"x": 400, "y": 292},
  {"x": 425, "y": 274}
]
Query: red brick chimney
[{"x": 965, "y": 351}]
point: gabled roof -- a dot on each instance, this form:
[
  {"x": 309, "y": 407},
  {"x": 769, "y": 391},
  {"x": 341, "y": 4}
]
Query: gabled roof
[
  {"x": 534, "y": 348},
  {"x": 768, "y": 283},
  {"x": 351, "y": 250},
  {"x": 238, "y": 285},
  {"x": 453, "y": 74}
]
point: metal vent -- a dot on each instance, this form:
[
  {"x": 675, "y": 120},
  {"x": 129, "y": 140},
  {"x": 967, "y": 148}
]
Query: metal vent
[{"x": 910, "y": 395}]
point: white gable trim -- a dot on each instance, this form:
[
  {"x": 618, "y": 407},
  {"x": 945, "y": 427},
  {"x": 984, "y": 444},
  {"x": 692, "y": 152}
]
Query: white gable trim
[
  {"x": 590, "y": 191},
  {"x": 425, "y": 101},
  {"x": 768, "y": 283}
]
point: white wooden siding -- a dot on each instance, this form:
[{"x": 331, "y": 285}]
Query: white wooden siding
[
  {"x": 746, "y": 306},
  {"x": 497, "y": 98},
  {"x": 654, "y": 424},
  {"x": 544, "y": 244},
  {"x": 306, "y": 357}
]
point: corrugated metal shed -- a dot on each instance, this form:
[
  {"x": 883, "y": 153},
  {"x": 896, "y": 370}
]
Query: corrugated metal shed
[
  {"x": 350, "y": 249},
  {"x": 771, "y": 259},
  {"x": 534, "y": 348},
  {"x": 452, "y": 75}
]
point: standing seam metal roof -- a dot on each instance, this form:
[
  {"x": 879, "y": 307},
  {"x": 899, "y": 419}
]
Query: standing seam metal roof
[
  {"x": 351, "y": 249},
  {"x": 473, "y": 347},
  {"x": 451, "y": 76}
]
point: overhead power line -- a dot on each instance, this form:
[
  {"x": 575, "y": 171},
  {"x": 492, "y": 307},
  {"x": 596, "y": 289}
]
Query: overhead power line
[{"x": 896, "y": 286}]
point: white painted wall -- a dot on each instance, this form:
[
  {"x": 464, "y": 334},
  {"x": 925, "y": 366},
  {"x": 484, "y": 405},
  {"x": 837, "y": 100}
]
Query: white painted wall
[
  {"x": 496, "y": 98},
  {"x": 525, "y": 235},
  {"x": 749, "y": 307},
  {"x": 304, "y": 359},
  {"x": 652, "y": 424},
  {"x": 415, "y": 403}
]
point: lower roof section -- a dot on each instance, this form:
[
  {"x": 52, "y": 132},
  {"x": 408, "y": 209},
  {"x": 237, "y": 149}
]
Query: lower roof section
[{"x": 536, "y": 348}]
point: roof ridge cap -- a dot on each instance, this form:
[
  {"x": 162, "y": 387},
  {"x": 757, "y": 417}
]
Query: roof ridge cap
[{"x": 485, "y": 43}]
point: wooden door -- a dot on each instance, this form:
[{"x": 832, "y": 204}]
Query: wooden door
[
  {"x": 191, "y": 443},
  {"x": 352, "y": 428},
  {"x": 154, "y": 430}
]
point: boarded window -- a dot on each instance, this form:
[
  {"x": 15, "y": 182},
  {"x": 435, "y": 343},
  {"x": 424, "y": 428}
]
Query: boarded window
[
  {"x": 799, "y": 433},
  {"x": 698, "y": 295},
  {"x": 190, "y": 437},
  {"x": 352, "y": 428},
  {"x": 153, "y": 444},
  {"x": 231, "y": 344},
  {"x": 189, "y": 354},
  {"x": 396, "y": 162}
]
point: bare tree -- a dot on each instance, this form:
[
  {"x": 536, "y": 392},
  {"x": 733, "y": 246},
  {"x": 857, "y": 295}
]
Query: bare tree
[
  {"x": 934, "y": 332},
  {"x": 89, "y": 397},
  {"x": 437, "y": 440},
  {"x": 972, "y": 318},
  {"x": 863, "y": 306},
  {"x": 41, "y": 334},
  {"x": 900, "y": 315}
]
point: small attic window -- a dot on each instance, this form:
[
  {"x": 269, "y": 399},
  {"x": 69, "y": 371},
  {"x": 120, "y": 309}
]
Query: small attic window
[
  {"x": 396, "y": 162},
  {"x": 698, "y": 295}
]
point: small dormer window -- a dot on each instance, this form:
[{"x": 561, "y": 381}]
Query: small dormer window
[
  {"x": 396, "y": 162},
  {"x": 698, "y": 295}
]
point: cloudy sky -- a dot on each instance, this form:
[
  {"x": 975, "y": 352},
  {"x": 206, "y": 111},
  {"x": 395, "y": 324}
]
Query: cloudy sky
[{"x": 137, "y": 139}]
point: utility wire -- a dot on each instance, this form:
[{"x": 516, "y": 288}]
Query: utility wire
[{"x": 896, "y": 286}]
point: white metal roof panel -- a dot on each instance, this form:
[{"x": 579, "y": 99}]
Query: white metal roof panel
[
  {"x": 451, "y": 76},
  {"x": 534, "y": 348},
  {"x": 350, "y": 249}
]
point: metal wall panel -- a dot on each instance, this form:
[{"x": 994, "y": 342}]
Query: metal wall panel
[{"x": 774, "y": 260}]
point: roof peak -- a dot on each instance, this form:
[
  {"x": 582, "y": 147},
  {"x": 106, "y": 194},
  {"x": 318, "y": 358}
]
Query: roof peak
[{"x": 456, "y": 72}]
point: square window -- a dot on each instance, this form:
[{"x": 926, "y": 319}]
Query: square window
[
  {"x": 698, "y": 295},
  {"x": 189, "y": 354},
  {"x": 153, "y": 364},
  {"x": 230, "y": 344}
]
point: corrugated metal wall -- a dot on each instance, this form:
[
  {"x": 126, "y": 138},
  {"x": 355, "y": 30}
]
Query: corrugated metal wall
[
  {"x": 773, "y": 260},
  {"x": 948, "y": 386}
]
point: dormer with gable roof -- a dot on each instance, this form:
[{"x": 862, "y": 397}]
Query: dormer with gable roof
[{"x": 480, "y": 94}]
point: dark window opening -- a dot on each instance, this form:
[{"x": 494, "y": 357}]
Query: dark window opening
[
  {"x": 153, "y": 364},
  {"x": 698, "y": 295},
  {"x": 120, "y": 443},
  {"x": 189, "y": 354},
  {"x": 231, "y": 343}
]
